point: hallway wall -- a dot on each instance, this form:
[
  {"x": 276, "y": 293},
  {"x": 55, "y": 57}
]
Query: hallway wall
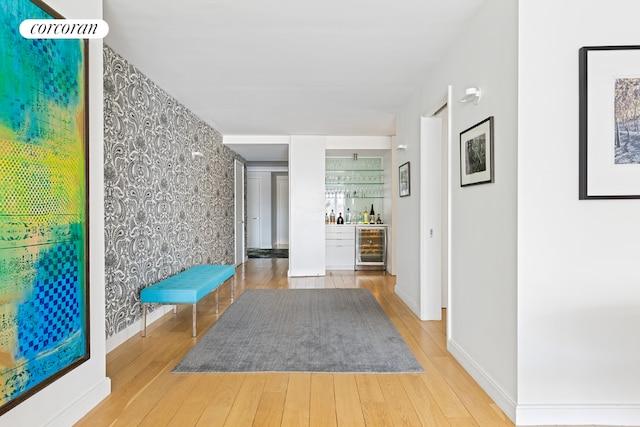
[
  {"x": 578, "y": 290},
  {"x": 165, "y": 210}
]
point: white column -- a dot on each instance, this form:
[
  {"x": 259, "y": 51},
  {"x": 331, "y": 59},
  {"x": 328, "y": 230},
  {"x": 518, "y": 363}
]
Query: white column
[{"x": 306, "y": 206}]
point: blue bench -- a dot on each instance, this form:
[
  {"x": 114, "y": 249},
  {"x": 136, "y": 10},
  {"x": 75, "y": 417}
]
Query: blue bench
[{"x": 187, "y": 287}]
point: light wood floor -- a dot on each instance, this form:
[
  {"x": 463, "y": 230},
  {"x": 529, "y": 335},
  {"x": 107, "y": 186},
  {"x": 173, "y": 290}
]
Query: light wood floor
[{"x": 146, "y": 393}]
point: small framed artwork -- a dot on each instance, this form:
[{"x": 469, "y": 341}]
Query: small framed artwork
[
  {"x": 476, "y": 153},
  {"x": 609, "y": 153},
  {"x": 405, "y": 180}
]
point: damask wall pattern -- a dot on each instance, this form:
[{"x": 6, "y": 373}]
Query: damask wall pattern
[{"x": 165, "y": 211}]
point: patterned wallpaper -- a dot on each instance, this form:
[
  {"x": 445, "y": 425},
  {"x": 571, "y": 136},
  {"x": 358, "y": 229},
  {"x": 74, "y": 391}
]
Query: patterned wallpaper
[{"x": 164, "y": 210}]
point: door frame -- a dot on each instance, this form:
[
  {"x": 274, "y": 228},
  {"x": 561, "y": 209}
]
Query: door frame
[{"x": 238, "y": 214}]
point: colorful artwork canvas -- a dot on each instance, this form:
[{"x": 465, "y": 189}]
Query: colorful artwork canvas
[{"x": 43, "y": 205}]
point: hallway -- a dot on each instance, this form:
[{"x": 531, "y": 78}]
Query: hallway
[{"x": 145, "y": 392}]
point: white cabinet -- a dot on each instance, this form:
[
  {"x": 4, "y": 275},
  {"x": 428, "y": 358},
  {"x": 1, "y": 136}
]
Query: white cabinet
[{"x": 340, "y": 247}]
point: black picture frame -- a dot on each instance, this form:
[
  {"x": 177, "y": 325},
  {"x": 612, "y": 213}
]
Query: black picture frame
[
  {"x": 476, "y": 154},
  {"x": 404, "y": 180},
  {"x": 609, "y": 93}
]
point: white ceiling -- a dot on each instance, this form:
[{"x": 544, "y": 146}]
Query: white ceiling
[
  {"x": 262, "y": 152},
  {"x": 283, "y": 67}
]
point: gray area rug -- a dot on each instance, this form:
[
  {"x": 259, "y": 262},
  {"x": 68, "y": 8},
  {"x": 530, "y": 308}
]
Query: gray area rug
[{"x": 302, "y": 330}]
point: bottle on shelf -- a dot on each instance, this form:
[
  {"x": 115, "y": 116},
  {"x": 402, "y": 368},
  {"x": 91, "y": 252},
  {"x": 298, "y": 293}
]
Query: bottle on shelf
[
  {"x": 372, "y": 214},
  {"x": 340, "y": 219},
  {"x": 332, "y": 217},
  {"x": 348, "y": 216},
  {"x": 326, "y": 218},
  {"x": 378, "y": 221},
  {"x": 365, "y": 217},
  {"x": 359, "y": 218}
]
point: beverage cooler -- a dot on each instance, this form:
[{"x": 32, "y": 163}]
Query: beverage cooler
[{"x": 371, "y": 247}]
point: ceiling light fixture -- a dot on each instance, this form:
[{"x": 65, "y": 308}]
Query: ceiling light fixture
[{"x": 472, "y": 94}]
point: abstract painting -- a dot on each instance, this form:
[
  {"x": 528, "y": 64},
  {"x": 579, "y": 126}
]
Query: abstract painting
[{"x": 44, "y": 323}]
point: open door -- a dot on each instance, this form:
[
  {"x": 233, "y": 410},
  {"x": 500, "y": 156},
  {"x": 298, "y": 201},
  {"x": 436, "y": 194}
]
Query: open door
[
  {"x": 239, "y": 211},
  {"x": 254, "y": 217},
  {"x": 430, "y": 218}
]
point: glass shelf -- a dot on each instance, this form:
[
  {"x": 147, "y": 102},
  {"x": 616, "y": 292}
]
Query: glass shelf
[
  {"x": 348, "y": 164},
  {"x": 354, "y": 177},
  {"x": 351, "y": 184},
  {"x": 354, "y": 170}
]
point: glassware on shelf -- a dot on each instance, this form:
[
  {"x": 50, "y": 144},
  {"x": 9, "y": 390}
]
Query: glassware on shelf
[{"x": 350, "y": 182}]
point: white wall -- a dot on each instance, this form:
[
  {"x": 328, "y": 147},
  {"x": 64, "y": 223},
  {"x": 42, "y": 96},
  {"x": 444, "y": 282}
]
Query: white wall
[
  {"x": 482, "y": 312},
  {"x": 306, "y": 202},
  {"x": 68, "y": 399},
  {"x": 406, "y": 217},
  {"x": 578, "y": 287},
  {"x": 265, "y": 205}
]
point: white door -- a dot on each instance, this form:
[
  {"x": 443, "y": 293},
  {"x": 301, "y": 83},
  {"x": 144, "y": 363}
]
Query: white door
[
  {"x": 253, "y": 212},
  {"x": 282, "y": 210},
  {"x": 430, "y": 218},
  {"x": 239, "y": 211}
]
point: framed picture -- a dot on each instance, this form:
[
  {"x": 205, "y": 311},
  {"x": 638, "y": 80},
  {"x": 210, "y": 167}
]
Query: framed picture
[
  {"x": 44, "y": 280},
  {"x": 609, "y": 152},
  {"x": 405, "y": 180},
  {"x": 476, "y": 153}
]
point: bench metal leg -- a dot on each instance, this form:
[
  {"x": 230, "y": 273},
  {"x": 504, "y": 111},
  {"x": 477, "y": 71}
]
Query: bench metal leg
[
  {"x": 144, "y": 320},
  {"x": 194, "y": 320},
  {"x": 217, "y": 292}
]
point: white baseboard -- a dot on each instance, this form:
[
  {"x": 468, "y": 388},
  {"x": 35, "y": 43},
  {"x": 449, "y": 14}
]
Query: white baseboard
[
  {"x": 602, "y": 415},
  {"x": 405, "y": 298},
  {"x": 136, "y": 328},
  {"x": 340, "y": 267},
  {"x": 306, "y": 273},
  {"x": 78, "y": 409},
  {"x": 501, "y": 397}
]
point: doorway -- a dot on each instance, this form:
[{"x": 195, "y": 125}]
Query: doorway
[{"x": 435, "y": 181}]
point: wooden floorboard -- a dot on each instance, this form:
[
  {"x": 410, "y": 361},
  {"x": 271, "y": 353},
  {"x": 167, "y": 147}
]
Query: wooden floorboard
[{"x": 145, "y": 392}]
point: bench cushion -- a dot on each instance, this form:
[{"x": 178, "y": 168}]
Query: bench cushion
[{"x": 187, "y": 287}]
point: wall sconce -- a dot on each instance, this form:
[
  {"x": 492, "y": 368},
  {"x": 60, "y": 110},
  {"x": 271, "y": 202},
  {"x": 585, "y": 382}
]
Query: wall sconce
[
  {"x": 472, "y": 94},
  {"x": 195, "y": 154},
  {"x": 401, "y": 147}
]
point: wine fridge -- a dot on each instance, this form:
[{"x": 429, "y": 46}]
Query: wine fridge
[{"x": 371, "y": 247}]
